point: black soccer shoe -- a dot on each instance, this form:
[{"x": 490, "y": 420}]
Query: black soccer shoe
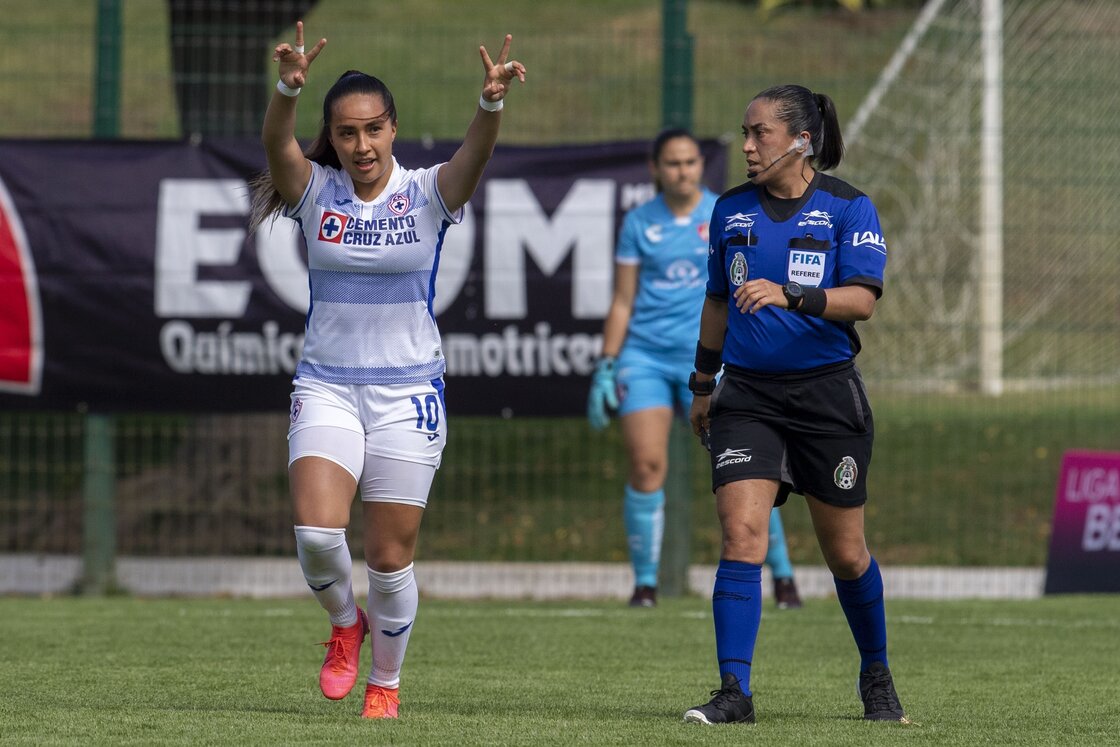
[
  {"x": 728, "y": 705},
  {"x": 876, "y": 690},
  {"x": 785, "y": 594},
  {"x": 644, "y": 596}
]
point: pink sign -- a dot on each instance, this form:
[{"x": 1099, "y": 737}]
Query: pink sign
[{"x": 1085, "y": 539}]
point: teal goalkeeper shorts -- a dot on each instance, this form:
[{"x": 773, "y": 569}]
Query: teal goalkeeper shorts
[{"x": 653, "y": 379}]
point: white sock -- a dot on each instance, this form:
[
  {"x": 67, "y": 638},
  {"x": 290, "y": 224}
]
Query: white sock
[
  {"x": 393, "y": 599},
  {"x": 327, "y": 566}
]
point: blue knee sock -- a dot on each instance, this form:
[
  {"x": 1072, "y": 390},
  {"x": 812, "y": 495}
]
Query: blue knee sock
[
  {"x": 862, "y": 602},
  {"x": 737, "y": 609},
  {"x": 777, "y": 556},
  {"x": 644, "y": 514}
]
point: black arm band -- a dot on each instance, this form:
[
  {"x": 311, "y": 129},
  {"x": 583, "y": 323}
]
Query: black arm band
[
  {"x": 813, "y": 302},
  {"x": 708, "y": 361}
]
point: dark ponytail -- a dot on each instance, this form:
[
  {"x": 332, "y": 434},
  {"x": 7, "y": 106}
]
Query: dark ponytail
[
  {"x": 265, "y": 201},
  {"x": 802, "y": 110},
  {"x": 829, "y": 151}
]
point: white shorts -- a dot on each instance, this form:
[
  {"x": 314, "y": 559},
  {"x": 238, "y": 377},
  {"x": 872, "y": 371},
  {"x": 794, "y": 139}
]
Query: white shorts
[{"x": 389, "y": 437}]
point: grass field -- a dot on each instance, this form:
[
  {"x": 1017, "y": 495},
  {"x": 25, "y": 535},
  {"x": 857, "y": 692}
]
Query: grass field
[{"x": 126, "y": 671}]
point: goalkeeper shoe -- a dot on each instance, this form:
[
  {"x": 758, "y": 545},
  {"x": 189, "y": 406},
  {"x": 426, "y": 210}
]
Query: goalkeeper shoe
[
  {"x": 381, "y": 702},
  {"x": 644, "y": 596},
  {"x": 876, "y": 690},
  {"x": 728, "y": 705},
  {"x": 340, "y": 667},
  {"x": 785, "y": 594}
]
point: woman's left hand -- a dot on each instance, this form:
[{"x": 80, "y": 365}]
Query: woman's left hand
[
  {"x": 500, "y": 74},
  {"x": 754, "y": 295}
]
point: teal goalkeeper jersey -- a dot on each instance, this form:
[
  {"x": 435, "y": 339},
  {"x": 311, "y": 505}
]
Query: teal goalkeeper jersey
[{"x": 671, "y": 254}]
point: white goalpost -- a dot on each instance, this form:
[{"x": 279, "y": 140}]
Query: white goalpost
[
  {"x": 989, "y": 278},
  {"x": 987, "y": 251}
]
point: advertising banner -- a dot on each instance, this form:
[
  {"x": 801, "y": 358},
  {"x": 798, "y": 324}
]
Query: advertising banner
[
  {"x": 129, "y": 282},
  {"x": 1085, "y": 539}
]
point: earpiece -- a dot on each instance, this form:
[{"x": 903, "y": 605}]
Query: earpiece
[{"x": 798, "y": 142}]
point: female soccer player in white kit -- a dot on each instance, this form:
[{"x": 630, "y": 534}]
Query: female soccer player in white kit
[{"x": 367, "y": 410}]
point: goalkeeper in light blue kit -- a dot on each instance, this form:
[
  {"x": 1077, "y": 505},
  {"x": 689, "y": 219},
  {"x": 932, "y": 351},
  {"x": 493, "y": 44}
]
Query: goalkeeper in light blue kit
[{"x": 649, "y": 340}]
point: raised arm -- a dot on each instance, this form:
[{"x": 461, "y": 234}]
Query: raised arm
[
  {"x": 286, "y": 163},
  {"x": 459, "y": 177}
]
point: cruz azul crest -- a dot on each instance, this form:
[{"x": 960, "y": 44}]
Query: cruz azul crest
[{"x": 399, "y": 203}]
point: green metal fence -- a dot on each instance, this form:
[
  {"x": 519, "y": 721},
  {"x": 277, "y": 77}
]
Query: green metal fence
[{"x": 959, "y": 477}]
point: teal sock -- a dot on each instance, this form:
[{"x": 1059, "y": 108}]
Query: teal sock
[
  {"x": 644, "y": 514},
  {"x": 777, "y": 555}
]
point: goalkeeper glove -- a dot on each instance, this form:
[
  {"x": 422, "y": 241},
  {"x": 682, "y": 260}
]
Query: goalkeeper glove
[{"x": 603, "y": 393}]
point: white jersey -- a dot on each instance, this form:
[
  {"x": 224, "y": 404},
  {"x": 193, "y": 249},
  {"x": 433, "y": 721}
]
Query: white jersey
[{"x": 372, "y": 274}]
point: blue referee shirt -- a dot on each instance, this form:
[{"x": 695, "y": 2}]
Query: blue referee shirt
[{"x": 828, "y": 238}]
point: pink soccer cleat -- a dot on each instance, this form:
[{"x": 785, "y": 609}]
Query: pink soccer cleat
[{"x": 381, "y": 702}]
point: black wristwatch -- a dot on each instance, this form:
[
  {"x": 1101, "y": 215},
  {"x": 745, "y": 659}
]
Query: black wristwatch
[
  {"x": 794, "y": 294},
  {"x": 703, "y": 388}
]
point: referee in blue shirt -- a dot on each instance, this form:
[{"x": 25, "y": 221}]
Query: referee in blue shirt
[{"x": 796, "y": 258}]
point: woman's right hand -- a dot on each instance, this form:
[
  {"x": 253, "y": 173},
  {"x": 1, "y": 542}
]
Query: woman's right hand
[
  {"x": 294, "y": 62},
  {"x": 698, "y": 414}
]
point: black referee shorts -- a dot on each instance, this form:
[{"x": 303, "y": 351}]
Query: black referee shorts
[{"x": 811, "y": 430}]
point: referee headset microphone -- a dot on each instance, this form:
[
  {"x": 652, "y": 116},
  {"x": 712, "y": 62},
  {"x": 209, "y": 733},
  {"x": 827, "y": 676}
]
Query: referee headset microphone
[{"x": 798, "y": 142}]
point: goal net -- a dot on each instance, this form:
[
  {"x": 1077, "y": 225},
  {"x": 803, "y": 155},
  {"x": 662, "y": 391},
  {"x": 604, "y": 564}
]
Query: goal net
[{"x": 917, "y": 146}]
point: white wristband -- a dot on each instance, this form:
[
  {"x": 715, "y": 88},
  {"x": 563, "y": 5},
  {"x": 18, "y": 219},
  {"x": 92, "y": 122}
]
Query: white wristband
[
  {"x": 491, "y": 106},
  {"x": 292, "y": 92}
]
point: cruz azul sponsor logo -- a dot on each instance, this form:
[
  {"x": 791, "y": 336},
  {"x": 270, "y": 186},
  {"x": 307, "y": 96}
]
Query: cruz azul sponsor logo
[
  {"x": 330, "y": 227},
  {"x": 739, "y": 220},
  {"x": 816, "y": 218},
  {"x": 390, "y": 231},
  {"x": 869, "y": 238},
  {"x": 732, "y": 456},
  {"x": 653, "y": 233},
  {"x": 806, "y": 268}
]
